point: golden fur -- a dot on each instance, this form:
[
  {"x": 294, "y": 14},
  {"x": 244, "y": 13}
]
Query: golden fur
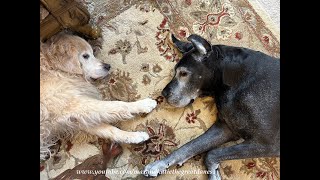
[{"x": 69, "y": 103}]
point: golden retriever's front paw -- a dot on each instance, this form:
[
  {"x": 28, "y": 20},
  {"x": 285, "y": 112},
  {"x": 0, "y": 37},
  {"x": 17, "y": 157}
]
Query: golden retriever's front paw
[
  {"x": 146, "y": 105},
  {"x": 138, "y": 137}
]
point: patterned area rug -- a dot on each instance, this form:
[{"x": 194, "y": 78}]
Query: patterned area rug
[{"x": 136, "y": 42}]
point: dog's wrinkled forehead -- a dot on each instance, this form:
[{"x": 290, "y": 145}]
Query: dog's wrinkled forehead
[
  {"x": 195, "y": 56},
  {"x": 184, "y": 69},
  {"x": 190, "y": 59},
  {"x": 80, "y": 44}
]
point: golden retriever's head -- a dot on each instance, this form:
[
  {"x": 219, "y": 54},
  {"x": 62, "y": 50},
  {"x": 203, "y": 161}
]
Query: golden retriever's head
[{"x": 74, "y": 55}]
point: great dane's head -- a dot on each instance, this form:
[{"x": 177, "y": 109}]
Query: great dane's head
[{"x": 192, "y": 72}]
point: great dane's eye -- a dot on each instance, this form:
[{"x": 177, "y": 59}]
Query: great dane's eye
[
  {"x": 183, "y": 74},
  {"x": 86, "y": 56}
]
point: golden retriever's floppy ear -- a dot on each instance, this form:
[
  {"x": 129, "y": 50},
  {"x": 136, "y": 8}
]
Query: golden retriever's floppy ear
[{"x": 63, "y": 54}]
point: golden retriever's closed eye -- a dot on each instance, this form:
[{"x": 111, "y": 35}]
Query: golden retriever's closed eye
[{"x": 69, "y": 103}]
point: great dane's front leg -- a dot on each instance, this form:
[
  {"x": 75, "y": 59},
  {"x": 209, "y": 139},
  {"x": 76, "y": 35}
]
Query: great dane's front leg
[
  {"x": 216, "y": 135},
  {"x": 247, "y": 149}
]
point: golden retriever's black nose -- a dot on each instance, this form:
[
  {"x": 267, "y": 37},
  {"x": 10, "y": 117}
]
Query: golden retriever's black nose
[{"x": 106, "y": 66}]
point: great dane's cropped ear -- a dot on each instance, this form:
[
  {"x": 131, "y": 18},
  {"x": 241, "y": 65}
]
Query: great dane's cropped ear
[
  {"x": 182, "y": 46},
  {"x": 200, "y": 44},
  {"x": 232, "y": 73}
]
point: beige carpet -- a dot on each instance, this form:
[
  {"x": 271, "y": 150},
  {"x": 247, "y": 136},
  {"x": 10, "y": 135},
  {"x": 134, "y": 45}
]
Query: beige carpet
[{"x": 136, "y": 42}]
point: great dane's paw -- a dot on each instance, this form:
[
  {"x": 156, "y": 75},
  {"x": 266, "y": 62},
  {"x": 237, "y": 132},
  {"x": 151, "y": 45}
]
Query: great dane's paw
[
  {"x": 153, "y": 169},
  {"x": 137, "y": 137},
  {"x": 146, "y": 105},
  {"x": 215, "y": 174}
]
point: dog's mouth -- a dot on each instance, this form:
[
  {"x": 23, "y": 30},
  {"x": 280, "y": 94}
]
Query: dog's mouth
[
  {"x": 92, "y": 79},
  {"x": 177, "y": 103},
  {"x": 96, "y": 78}
]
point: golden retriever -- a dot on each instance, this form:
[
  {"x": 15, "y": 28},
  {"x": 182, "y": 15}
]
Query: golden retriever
[{"x": 70, "y": 103}]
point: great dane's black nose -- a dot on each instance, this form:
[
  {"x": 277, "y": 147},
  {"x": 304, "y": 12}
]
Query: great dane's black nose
[
  {"x": 106, "y": 66},
  {"x": 166, "y": 92}
]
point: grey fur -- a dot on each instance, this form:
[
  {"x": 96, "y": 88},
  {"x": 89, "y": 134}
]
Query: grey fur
[{"x": 246, "y": 86}]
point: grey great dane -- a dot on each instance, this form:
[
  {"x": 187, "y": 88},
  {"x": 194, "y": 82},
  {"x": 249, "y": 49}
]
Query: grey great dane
[{"x": 246, "y": 87}]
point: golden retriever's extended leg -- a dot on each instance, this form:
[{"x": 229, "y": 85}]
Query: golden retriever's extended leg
[
  {"x": 93, "y": 112},
  {"x": 118, "y": 135}
]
